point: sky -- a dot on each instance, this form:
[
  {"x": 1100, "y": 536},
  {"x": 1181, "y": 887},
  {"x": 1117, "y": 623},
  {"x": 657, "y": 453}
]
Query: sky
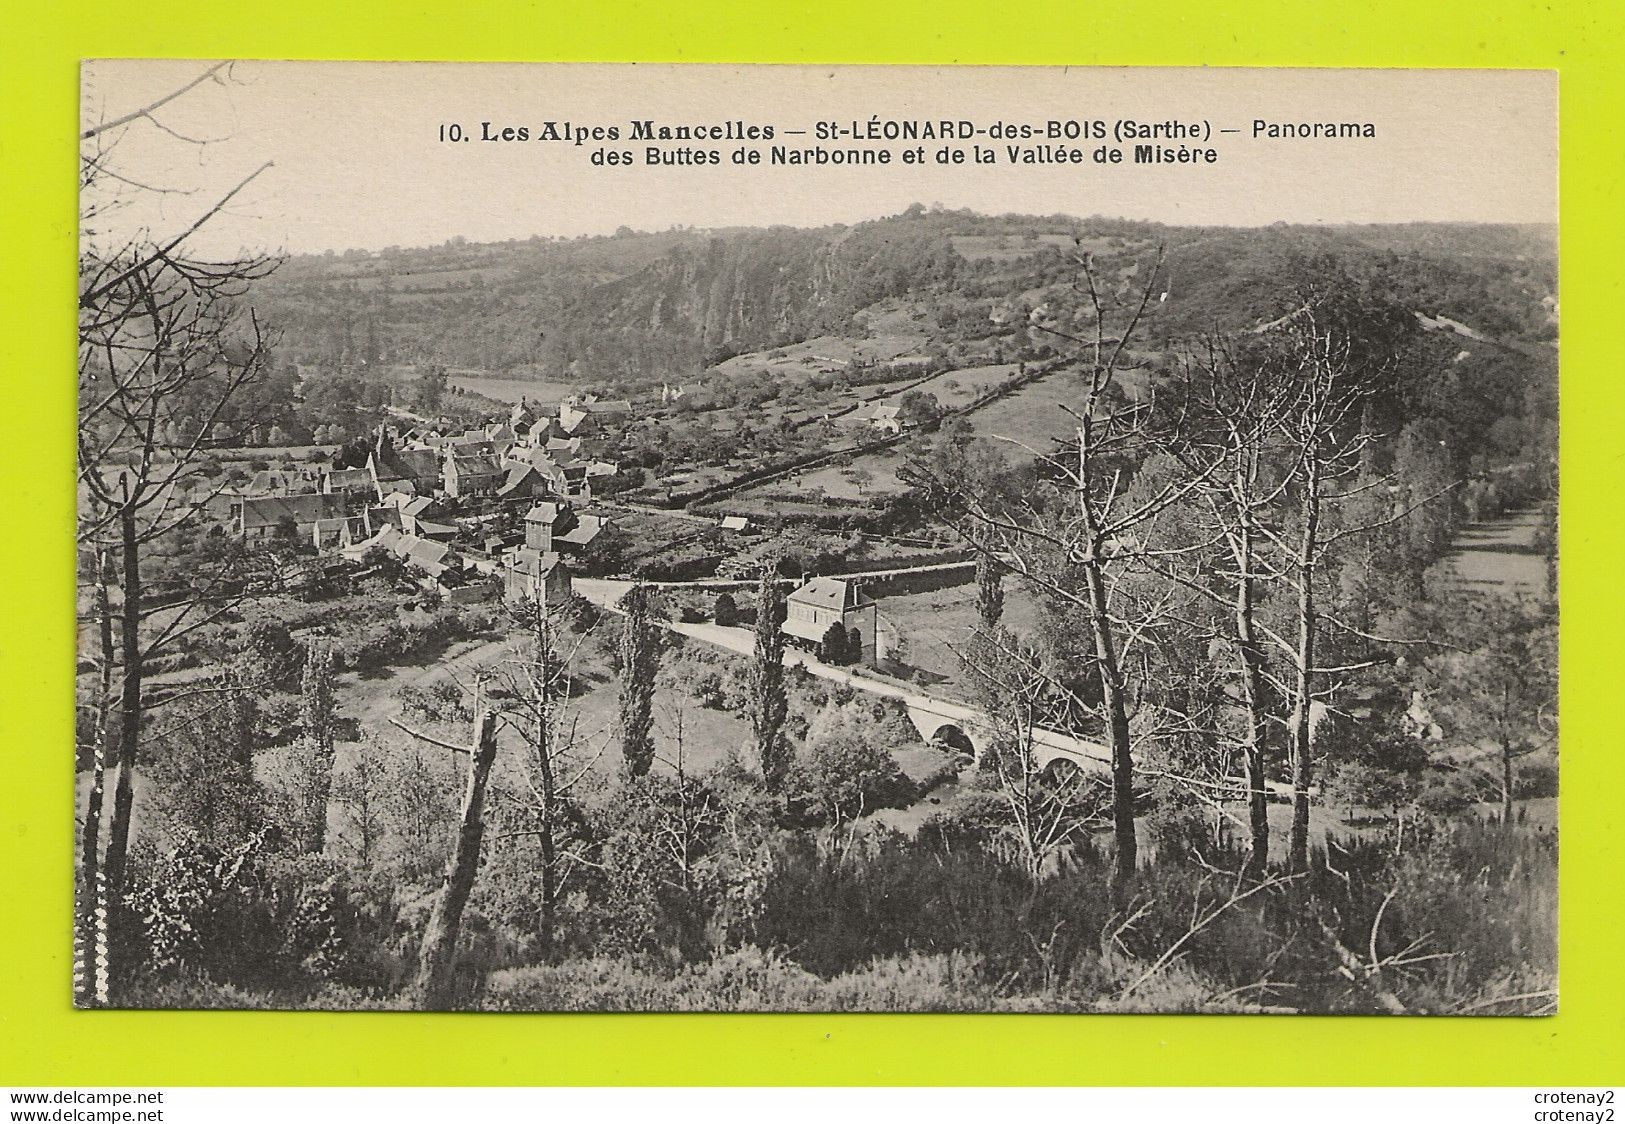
[{"x": 358, "y": 160}]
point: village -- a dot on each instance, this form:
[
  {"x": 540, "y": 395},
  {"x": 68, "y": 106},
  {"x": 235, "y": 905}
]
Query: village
[
  {"x": 505, "y": 511},
  {"x": 485, "y": 512}
]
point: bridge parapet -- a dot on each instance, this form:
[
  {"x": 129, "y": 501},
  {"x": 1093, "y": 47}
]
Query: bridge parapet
[{"x": 966, "y": 729}]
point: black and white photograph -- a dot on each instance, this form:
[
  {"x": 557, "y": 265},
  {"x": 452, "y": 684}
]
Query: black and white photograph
[{"x": 700, "y": 538}]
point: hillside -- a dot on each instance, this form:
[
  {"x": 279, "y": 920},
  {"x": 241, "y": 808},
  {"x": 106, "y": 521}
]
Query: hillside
[{"x": 633, "y": 310}]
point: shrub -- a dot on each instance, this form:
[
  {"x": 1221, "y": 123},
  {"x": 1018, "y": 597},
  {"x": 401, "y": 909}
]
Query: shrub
[
  {"x": 843, "y": 777},
  {"x": 973, "y": 820},
  {"x": 1357, "y": 784},
  {"x": 725, "y": 611},
  {"x": 833, "y": 648},
  {"x": 440, "y": 701},
  {"x": 750, "y": 979},
  {"x": 1535, "y": 778}
]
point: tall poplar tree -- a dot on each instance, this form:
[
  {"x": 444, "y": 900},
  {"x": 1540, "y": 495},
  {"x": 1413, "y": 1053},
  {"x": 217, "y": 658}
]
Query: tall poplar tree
[
  {"x": 639, "y": 659},
  {"x": 316, "y": 715},
  {"x": 768, "y": 703}
]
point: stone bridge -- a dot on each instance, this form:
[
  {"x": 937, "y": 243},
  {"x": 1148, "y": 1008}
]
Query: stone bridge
[
  {"x": 938, "y": 720},
  {"x": 965, "y": 728}
]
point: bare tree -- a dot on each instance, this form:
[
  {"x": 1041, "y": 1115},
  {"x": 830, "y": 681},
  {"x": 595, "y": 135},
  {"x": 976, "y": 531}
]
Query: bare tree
[
  {"x": 90, "y": 934},
  {"x": 360, "y": 791},
  {"x": 1497, "y": 686},
  {"x": 165, "y": 343},
  {"x": 685, "y": 818},
  {"x": 1077, "y": 537},
  {"x": 1333, "y": 367},
  {"x": 558, "y": 755},
  {"x": 1323, "y": 426},
  {"x": 539, "y": 685},
  {"x": 1049, "y": 804},
  {"x": 1224, "y": 410},
  {"x": 437, "y": 955}
]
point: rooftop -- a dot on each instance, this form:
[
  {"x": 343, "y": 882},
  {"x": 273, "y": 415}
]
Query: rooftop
[{"x": 831, "y": 593}]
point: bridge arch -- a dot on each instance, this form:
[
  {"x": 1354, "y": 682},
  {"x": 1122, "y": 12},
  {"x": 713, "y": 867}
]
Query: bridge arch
[
  {"x": 944, "y": 729},
  {"x": 953, "y": 736}
]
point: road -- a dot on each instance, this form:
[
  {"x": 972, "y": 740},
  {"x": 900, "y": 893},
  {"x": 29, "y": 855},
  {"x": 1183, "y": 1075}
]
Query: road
[
  {"x": 607, "y": 594},
  {"x": 750, "y": 583}
]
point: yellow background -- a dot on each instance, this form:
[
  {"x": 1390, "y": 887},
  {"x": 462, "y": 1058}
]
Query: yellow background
[{"x": 44, "y": 1041}]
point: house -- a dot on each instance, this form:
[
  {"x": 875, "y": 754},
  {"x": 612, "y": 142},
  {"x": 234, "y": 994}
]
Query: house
[
  {"x": 462, "y": 587},
  {"x": 472, "y": 441},
  {"x": 532, "y": 575},
  {"x": 349, "y": 481},
  {"x": 384, "y": 515},
  {"x": 565, "y": 476},
  {"x": 542, "y": 521},
  {"x": 553, "y": 526},
  {"x": 570, "y": 479},
  {"x": 341, "y": 531},
  {"x": 821, "y": 602},
  {"x": 533, "y": 423},
  {"x": 537, "y": 458},
  {"x": 589, "y": 414},
  {"x": 737, "y": 523},
  {"x": 417, "y": 510},
  {"x": 524, "y": 482},
  {"x": 571, "y": 421},
  {"x": 887, "y": 419},
  {"x": 429, "y": 529},
  {"x": 521, "y": 417},
  {"x": 268, "y": 482},
  {"x": 413, "y": 471},
  {"x": 266, "y": 517},
  {"x": 472, "y": 474},
  {"x": 431, "y": 559},
  {"x": 581, "y": 535},
  {"x": 275, "y": 482}
]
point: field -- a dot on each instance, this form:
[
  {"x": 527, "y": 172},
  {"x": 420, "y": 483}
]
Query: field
[
  {"x": 954, "y": 389},
  {"x": 874, "y": 475},
  {"x": 1501, "y": 556},
  {"x": 371, "y": 699},
  {"x": 868, "y": 477},
  {"x": 511, "y": 390},
  {"x": 1034, "y": 415},
  {"x": 824, "y": 354},
  {"x": 935, "y": 625}
]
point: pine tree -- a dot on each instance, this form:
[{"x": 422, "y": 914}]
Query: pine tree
[
  {"x": 768, "y": 703},
  {"x": 639, "y": 658}
]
